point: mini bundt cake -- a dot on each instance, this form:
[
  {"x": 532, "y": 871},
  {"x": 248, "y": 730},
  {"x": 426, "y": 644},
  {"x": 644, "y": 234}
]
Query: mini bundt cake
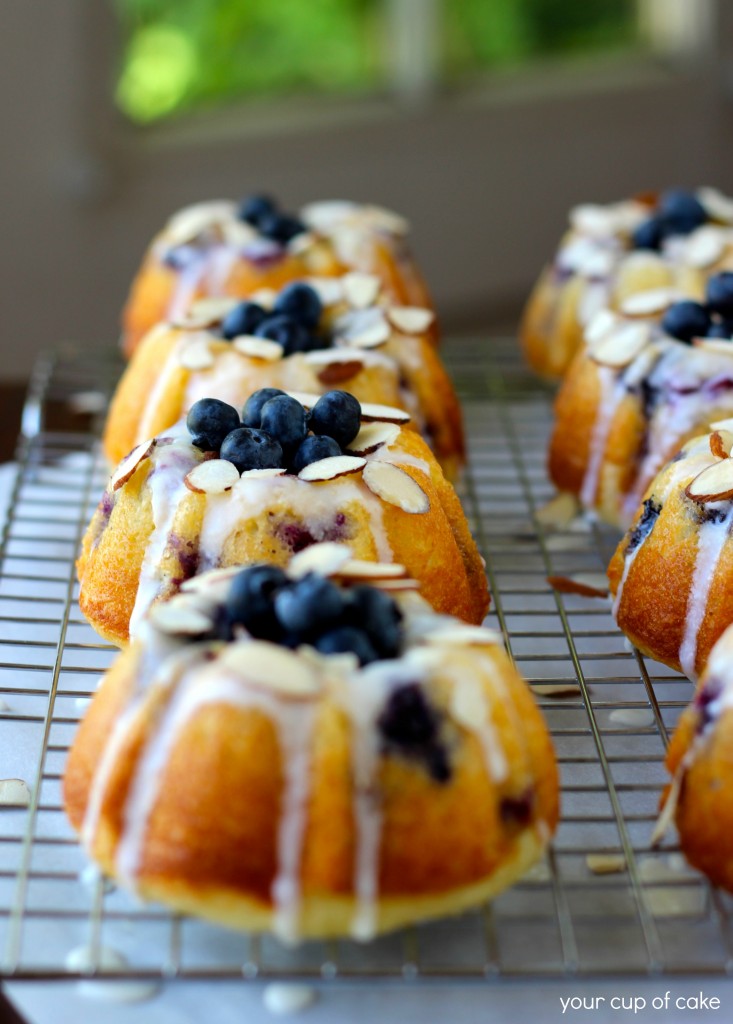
[
  {"x": 222, "y": 490},
  {"x": 612, "y": 252},
  {"x": 308, "y": 337},
  {"x": 699, "y": 758},
  {"x": 316, "y": 758},
  {"x": 652, "y": 376},
  {"x": 671, "y": 574},
  {"x": 222, "y": 248}
]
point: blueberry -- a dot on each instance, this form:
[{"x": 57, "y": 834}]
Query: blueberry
[
  {"x": 300, "y": 302},
  {"x": 209, "y": 421},
  {"x": 255, "y": 209},
  {"x": 379, "y": 616},
  {"x": 252, "y": 412},
  {"x": 243, "y": 319},
  {"x": 347, "y": 640},
  {"x": 283, "y": 418},
  {"x": 312, "y": 450},
  {"x": 310, "y": 606},
  {"x": 649, "y": 234},
  {"x": 720, "y": 293},
  {"x": 686, "y": 320},
  {"x": 721, "y": 329},
  {"x": 407, "y": 719},
  {"x": 251, "y": 449},
  {"x": 681, "y": 211},
  {"x": 250, "y": 601},
  {"x": 293, "y": 337},
  {"x": 337, "y": 414},
  {"x": 280, "y": 227}
]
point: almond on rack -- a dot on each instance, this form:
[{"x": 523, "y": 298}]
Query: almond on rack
[
  {"x": 130, "y": 463},
  {"x": 373, "y": 412},
  {"x": 258, "y": 348},
  {"x": 373, "y": 436},
  {"x": 714, "y": 483},
  {"x": 331, "y": 468},
  {"x": 361, "y": 290},
  {"x": 621, "y": 346},
  {"x": 327, "y": 559},
  {"x": 393, "y": 485},
  {"x": 410, "y": 319},
  {"x": 648, "y": 303},
  {"x": 721, "y": 442},
  {"x": 215, "y": 476}
]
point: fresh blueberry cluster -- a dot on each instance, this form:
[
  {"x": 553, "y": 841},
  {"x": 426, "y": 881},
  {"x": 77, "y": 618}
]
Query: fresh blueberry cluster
[
  {"x": 678, "y": 212},
  {"x": 263, "y": 213},
  {"x": 360, "y": 620},
  {"x": 712, "y": 319},
  {"x": 292, "y": 323},
  {"x": 275, "y": 431}
]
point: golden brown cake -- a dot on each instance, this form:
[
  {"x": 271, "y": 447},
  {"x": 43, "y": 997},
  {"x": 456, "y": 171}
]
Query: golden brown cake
[
  {"x": 611, "y": 252},
  {"x": 378, "y": 351},
  {"x": 646, "y": 382},
  {"x": 173, "y": 509},
  {"x": 222, "y": 248},
  {"x": 344, "y": 784},
  {"x": 671, "y": 574},
  {"x": 699, "y": 758}
]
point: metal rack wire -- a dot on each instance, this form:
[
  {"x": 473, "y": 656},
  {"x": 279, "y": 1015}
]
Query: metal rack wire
[{"x": 652, "y": 914}]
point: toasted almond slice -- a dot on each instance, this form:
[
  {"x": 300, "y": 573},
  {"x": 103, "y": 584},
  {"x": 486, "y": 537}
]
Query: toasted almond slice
[
  {"x": 339, "y": 371},
  {"x": 373, "y": 436},
  {"x": 559, "y": 511},
  {"x": 259, "y": 474},
  {"x": 458, "y": 635},
  {"x": 258, "y": 348},
  {"x": 182, "y": 617},
  {"x": 264, "y": 297},
  {"x": 326, "y": 356},
  {"x": 14, "y": 793},
  {"x": 393, "y": 485},
  {"x": 721, "y": 442},
  {"x": 191, "y": 221},
  {"x": 719, "y": 206},
  {"x": 330, "y": 290},
  {"x": 372, "y": 412},
  {"x": 647, "y": 303},
  {"x": 605, "y": 863},
  {"x": 468, "y": 703},
  {"x": 726, "y": 424},
  {"x": 306, "y": 398},
  {"x": 555, "y": 689},
  {"x": 362, "y": 328},
  {"x": 361, "y": 290},
  {"x": 326, "y": 558},
  {"x": 302, "y": 242},
  {"x": 238, "y": 232},
  {"x": 600, "y": 325},
  {"x": 215, "y": 476},
  {"x": 716, "y": 346},
  {"x": 385, "y": 220},
  {"x": 197, "y": 355},
  {"x": 714, "y": 483},
  {"x": 593, "y": 219},
  {"x": 130, "y": 463},
  {"x": 212, "y": 309},
  {"x": 410, "y": 319},
  {"x": 570, "y": 585},
  {"x": 397, "y": 585},
  {"x": 358, "y": 568},
  {"x": 331, "y": 468},
  {"x": 210, "y": 580},
  {"x": 273, "y": 668},
  {"x": 704, "y": 246},
  {"x": 622, "y": 346}
]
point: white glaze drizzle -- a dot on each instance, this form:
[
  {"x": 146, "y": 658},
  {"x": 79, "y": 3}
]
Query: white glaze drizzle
[
  {"x": 188, "y": 280},
  {"x": 171, "y": 366},
  {"x": 612, "y": 393}
]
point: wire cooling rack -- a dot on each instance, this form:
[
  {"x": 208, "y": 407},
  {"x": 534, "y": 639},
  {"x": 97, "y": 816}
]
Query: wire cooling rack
[{"x": 572, "y": 915}]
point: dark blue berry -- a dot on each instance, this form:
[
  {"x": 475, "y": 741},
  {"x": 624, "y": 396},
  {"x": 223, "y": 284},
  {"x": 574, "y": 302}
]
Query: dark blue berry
[
  {"x": 301, "y": 302},
  {"x": 721, "y": 329},
  {"x": 644, "y": 525},
  {"x": 283, "y": 418},
  {"x": 280, "y": 227},
  {"x": 310, "y": 606},
  {"x": 252, "y": 412},
  {"x": 243, "y": 319},
  {"x": 337, "y": 414},
  {"x": 379, "y": 616},
  {"x": 251, "y": 449},
  {"x": 720, "y": 293},
  {"x": 255, "y": 209},
  {"x": 293, "y": 337},
  {"x": 681, "y": 211},
  {"x": 313, "y": 449},
  {"x": 407, "y": 719},
  {"x": 209, "y": 421},
  {"x": 686, "y": 320},
  {"x": 649, "y": 234},
  {"x": 347, "y": 640},
  {"x": 250, "y": 601}
]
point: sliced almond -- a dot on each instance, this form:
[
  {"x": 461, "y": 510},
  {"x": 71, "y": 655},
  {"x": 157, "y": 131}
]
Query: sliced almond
[
  {"x": 715, "y": 346},
  {"x": 605, "y": 863},
  {"x": 238, "y": 232},
  {"x": 385, "y": 220},
  {"x": 647, "y": 303},
  {"x": 264, "y": 297},
  {"x": 459, "y": 635},
  {"x": 559, "y": 511},
  {"x": 361, "y": 290},
  {"x": 395, "y": 586},
  {"x": 192, "y": 221},
  {"x": 363, "y": 328},
  {"x": 14, "y": 793},
  {"x": 718, "y": 206},
  {"x": 468, "y": 703},
  {"x": 273, "y": 668},
  {"x": 721, "y": 442},
  {"x": 302, "y": 242},
  {"x": 213, "y": 309},
  {"x": 726, "y": 424},
  {"x": 555, "y": 689},
  {"x": 714, "y": 483},
  {"x": 393, "y": 485},
  {"x": 197, "y": 355},
  {"x": 339, "y": 371},
  {"x": 215, "y": 476},
  {"x": 360, "y": 569},
  {"x": 331, "y": 468},
  {"x": 593, "y": 219},
  {"x": 330, "y": 290},
  {"x": 180, "y": 617},
  {"x": 210, "y": 580},
  {"x": 306, "y": 398},
  {"x": 258, "y": 348},
  {"x": 326, "y": 558},
  {"x": 325, "y": 356},
  {"x": 622, "y": 346},
  {"x": 373, "y": 436},
  {"x": 130, "y": 463},
  {"x": 600, "y": 325},
  {"x": 575, "y": 585},
  {"x": 372, "y": 412},
  {"x": 704, "y": 246},
  {"x": 259, "y": 474},
  {"x": 410, "y": 319}
]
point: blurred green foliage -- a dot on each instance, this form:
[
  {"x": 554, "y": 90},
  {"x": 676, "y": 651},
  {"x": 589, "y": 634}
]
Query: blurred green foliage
[{"x": 183, "y": 54}]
